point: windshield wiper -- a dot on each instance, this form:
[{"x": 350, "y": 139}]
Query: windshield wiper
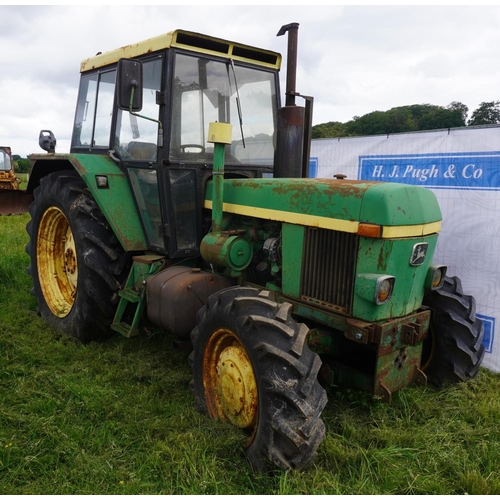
[{"x": 238, "y": 105}]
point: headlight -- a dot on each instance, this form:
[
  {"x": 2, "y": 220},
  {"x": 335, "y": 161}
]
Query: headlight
[
  {"x": 435, "y": 277},
  {"x": 376, "y": 288},
  {"x": 384, "y": 290}
]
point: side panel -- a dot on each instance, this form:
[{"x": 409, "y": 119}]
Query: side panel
[
  {"x": 293, "y": 242},
  {"x": 115, "y": 201}
]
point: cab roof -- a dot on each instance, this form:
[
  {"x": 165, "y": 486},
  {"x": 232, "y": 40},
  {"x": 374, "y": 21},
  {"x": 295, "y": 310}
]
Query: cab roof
[{"x": 188, "y": 40}]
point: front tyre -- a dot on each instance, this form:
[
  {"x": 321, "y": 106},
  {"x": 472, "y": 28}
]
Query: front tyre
[
  {"x": 453, "y": 351},
  {"x": 76, "y": 262},
  {"x": 252, "y": 367}
]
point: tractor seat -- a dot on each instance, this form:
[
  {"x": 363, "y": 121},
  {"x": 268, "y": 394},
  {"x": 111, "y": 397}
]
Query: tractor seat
[{"x": 142, "y": 150}]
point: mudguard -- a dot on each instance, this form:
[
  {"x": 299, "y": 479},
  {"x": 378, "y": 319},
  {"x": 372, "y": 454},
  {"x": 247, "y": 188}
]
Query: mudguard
[{"x": 115, "y": 201}]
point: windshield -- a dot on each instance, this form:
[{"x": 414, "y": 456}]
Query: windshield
[
  {"x": 4, "y": 161},
  {"x": 209, "y": 91}
]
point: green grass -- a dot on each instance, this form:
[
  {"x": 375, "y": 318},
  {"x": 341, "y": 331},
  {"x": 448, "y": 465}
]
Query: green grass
[
  {"x": 118, "y": 418},
  {"x": 24, "y": 180}
]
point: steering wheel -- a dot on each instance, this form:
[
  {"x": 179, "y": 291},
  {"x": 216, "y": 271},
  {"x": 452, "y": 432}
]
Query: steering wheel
[{"x": 183, "y": 147}]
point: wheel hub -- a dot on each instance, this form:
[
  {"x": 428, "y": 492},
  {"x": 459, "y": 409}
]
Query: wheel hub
[
  {"x": 231, "y": 389},
  {"x": 57, "y": 262},
  {"x": 236, "y": 386}
]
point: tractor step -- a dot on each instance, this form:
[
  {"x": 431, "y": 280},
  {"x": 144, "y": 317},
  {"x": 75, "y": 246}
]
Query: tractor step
[
  {"x": 132, "y": 296},
  {"x": 124, "y": 329}
]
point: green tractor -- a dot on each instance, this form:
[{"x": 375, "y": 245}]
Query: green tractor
[{"x": 165, "y": 210}]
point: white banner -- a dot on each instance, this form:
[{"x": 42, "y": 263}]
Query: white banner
[{"x": 462, "y": 168}]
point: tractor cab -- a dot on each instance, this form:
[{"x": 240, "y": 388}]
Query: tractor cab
[
  {"x": 182, "y": 81},
  {"x": 8, "y": 178}
]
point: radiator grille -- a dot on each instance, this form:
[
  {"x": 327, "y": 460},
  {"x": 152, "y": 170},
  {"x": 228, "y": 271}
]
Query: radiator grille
[{"x": 328, "y": 269}]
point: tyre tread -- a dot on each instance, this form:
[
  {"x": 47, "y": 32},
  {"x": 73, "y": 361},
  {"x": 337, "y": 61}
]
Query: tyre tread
[
  {"x": 458, "y": 334},
  {"x": 290, "y": 397},
  {"x": 103, "y": 264}
]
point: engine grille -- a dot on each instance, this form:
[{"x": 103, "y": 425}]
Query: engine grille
[{"x": 328, "y": 268}]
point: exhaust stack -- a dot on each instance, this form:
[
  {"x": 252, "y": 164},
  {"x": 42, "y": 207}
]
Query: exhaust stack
[{"x": 293, "y": 136}]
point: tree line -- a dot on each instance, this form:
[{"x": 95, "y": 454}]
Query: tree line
[
  {"x": 21, "y": 165},
  {"x": 411, "y": 119}
]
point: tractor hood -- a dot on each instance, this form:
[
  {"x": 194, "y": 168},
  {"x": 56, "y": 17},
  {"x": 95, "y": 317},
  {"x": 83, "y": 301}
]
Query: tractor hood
[{"x": 400, "y": 210}]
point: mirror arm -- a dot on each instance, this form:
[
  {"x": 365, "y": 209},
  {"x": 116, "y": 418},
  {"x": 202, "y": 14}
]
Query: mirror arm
[{"x": 160, "y": 126}]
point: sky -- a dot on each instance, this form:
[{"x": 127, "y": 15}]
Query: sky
[{"x": 352, "y": 59}]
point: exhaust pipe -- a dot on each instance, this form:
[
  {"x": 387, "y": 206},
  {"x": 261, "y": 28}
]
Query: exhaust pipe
[
  {"x": 294, "y": 123},
  {"x": 291, "y": 63}
]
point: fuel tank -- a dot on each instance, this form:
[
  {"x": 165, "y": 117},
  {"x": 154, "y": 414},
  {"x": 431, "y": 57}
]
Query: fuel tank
[{"x": 175, "y": 295}]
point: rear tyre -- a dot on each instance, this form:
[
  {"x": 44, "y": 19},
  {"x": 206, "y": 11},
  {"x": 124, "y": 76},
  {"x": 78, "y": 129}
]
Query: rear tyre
[
  {"x": 252, "y": 367},
  {"x": 76, "y": 262},
  {"x": 453, "y": 350}
]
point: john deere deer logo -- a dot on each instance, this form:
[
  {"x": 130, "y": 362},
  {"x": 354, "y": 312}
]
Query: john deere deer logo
[{"x": 418, "y": 254}]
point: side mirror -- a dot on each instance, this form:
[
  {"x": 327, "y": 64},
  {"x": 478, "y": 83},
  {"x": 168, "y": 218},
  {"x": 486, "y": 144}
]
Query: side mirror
[
  {"x": 129, "y": 85},
  {"x": 47, "y": 141}
]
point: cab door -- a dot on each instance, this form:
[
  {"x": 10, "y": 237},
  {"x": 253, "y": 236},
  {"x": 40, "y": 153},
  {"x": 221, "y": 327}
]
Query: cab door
[{"x": 138, "y": 144}]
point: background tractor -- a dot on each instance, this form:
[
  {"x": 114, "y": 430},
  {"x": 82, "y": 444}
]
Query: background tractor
[
  {"x": 184, "y": 201},
  {"x": 12, "y": 200},
  {"x": 8, "y": 178}
]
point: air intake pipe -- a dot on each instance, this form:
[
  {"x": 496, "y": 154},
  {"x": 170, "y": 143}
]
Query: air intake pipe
[{"x": 219, "y": 247}]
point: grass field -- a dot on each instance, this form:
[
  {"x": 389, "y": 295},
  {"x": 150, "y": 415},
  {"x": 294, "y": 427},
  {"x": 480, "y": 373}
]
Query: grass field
[
  {"x": 24, "y": 180},
  {"x": 118, "y": 418}
]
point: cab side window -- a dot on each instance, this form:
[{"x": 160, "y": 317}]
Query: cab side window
[
  {"x": 3, "y": 161},
  {"x": 104, "y": 109},
  {"x": 94, "y": 110}
]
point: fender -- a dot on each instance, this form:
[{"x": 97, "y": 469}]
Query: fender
[{"x": 116, "y": 201}]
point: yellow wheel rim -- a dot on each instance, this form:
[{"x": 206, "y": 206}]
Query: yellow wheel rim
[
  {"x": 229, "y": 380},
  {"x": 57, "y": 262}
]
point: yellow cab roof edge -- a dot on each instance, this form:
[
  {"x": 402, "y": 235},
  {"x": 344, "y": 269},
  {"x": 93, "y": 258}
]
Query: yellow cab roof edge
[{"x": 168, "y": 40}]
